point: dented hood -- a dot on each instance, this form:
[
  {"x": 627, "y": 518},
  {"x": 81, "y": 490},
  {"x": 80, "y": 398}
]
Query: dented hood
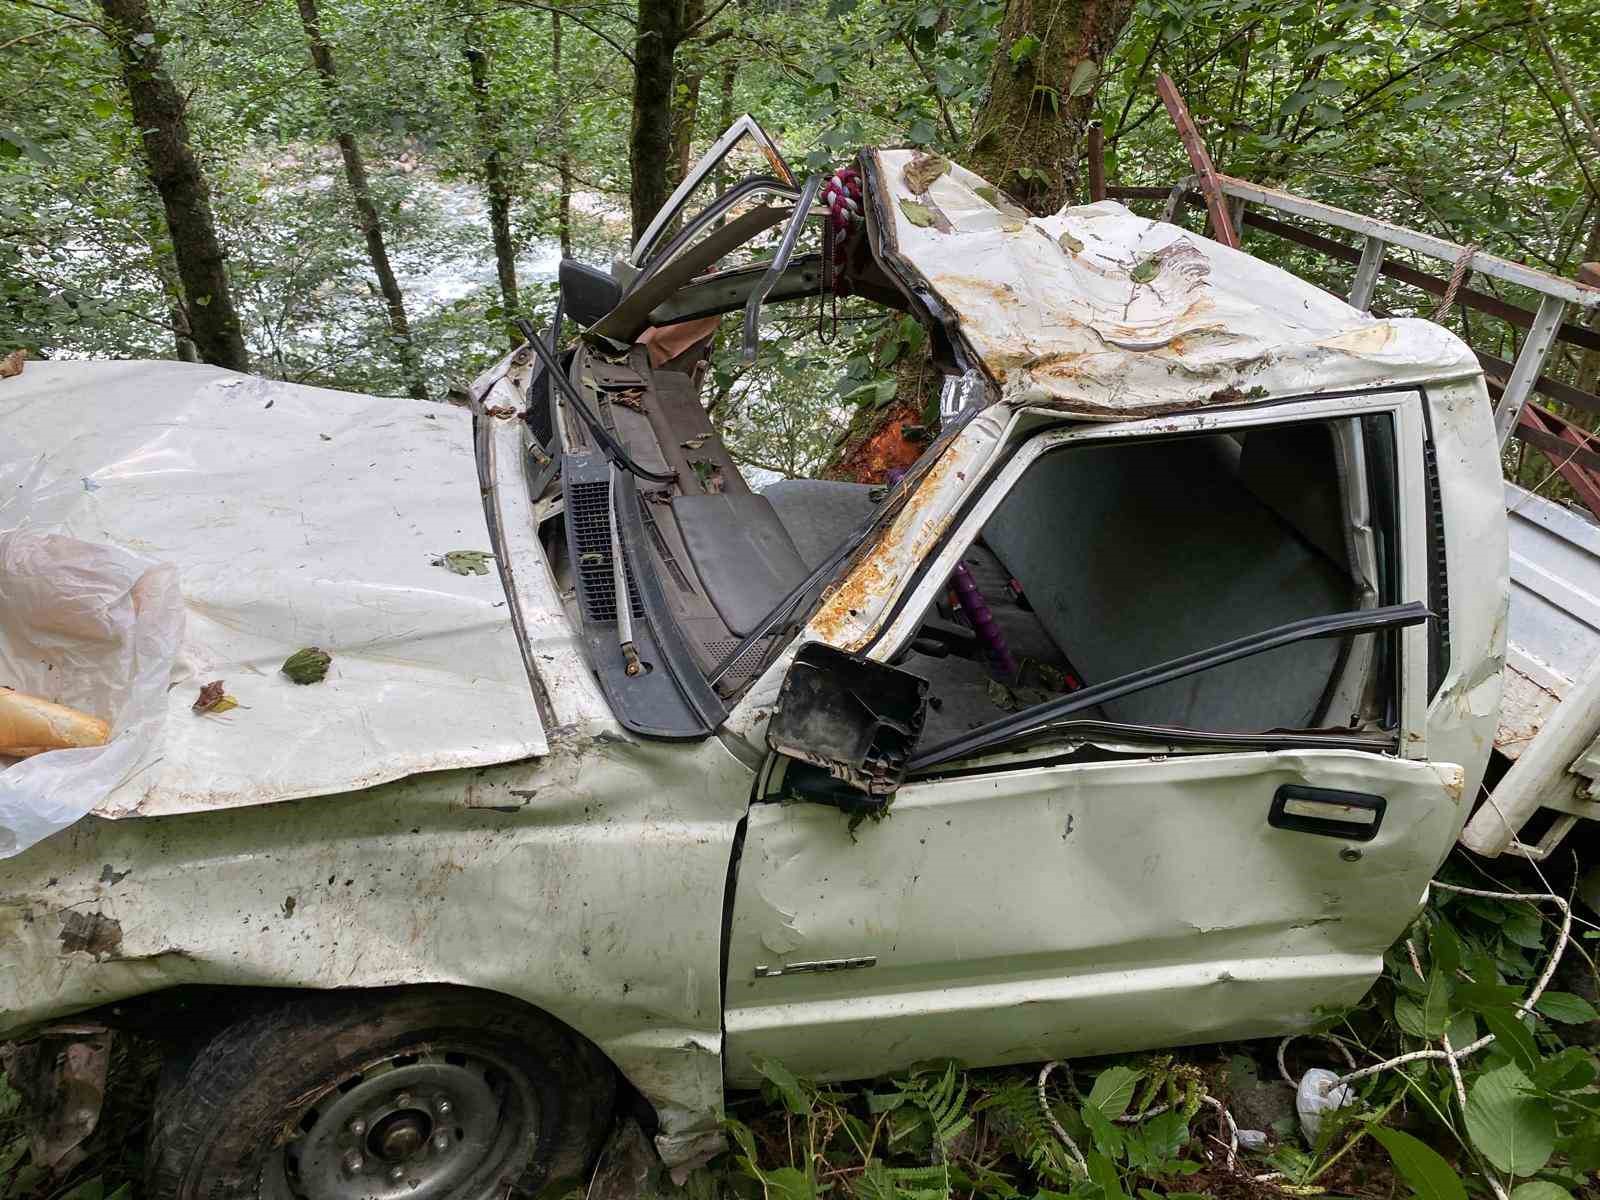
[
  {"x": 295, "y": 516},
  {"x": 1108, "y": 315}
]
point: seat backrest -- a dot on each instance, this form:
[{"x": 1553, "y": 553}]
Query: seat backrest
[{"x": 1138, "y": 553}]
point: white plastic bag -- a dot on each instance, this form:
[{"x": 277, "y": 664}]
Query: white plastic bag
[
  {"x": 97, "y": 628},
  {"x": 1316, "y": 1097}
]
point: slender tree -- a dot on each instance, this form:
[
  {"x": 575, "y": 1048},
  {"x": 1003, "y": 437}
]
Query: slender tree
[
  {"x": 686, "y": 103},
  {"x": 661, "y": 29},
  {"x": 355, "y": 169},
  {"x": 563, "y": 123},
  {"x": 1042, "y": 83},
  {"x": 158, "y": 112},
  {"x": 492, "y": 147}
]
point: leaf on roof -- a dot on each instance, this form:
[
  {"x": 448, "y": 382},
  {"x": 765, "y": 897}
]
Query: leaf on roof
[
  {"x": 922, "y": 170},
  {"x": 919, "y": 215},
  {"x": 465, "y": 562},
  {"x": 214, "y": 699}
]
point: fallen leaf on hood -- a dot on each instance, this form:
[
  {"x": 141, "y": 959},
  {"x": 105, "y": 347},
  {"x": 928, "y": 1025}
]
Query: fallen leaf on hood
[
  {"x": 465, "y": 562},
  {"x": 922, "y": 170},
  {"x": 919, "y": 215},
  {"x": 710, "y": 476},
  {"x": 694, "y": 443},
  {"x": 307, "y": 666},
  {"x": 1069, "y": 243},
  {"x": 11, "y": 364},
  {"x": 213, "y": 699}
]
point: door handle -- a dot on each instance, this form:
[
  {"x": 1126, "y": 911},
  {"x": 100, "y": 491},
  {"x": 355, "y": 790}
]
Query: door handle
[{"x": 1353, "y": 816}]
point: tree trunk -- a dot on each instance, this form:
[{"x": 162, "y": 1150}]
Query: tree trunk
[
  {"x": 683, "y": 120},
  {"x": 494, "y": 176},
  {"x": 564, "y": 140},
  {"x": 661, "y": 28},
  {"x": 686, "y": 103},
  {"x": 166, "y": 270},
  {"x": 158, "y": 113},
  {"x": 1027, "y": 135},
  {"x": 355, "y": 170},
  {"x": 730, "y": 75}
]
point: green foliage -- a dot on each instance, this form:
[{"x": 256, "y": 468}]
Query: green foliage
[
  {"x": 1423, "y": 1168},
  {"x": 1510, "y": 1125}
]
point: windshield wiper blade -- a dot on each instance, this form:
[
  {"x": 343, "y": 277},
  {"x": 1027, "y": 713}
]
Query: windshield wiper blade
[{"x": 609, "y": 445}]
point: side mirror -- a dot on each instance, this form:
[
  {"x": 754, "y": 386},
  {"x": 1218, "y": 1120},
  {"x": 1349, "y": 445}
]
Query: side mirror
[
  {"x": 587, "y": 293},
  {"x": 856, "y": 718}
]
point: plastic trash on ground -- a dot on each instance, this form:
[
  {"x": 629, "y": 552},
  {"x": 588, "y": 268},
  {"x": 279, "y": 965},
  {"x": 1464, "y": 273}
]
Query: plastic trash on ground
[
  {"x": 1316, "y": 1097},
  {"x": 97, "y": 628}
]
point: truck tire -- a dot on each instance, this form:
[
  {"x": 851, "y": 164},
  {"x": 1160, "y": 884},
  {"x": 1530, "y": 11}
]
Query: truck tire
[{"x": 431, "y": 1093}]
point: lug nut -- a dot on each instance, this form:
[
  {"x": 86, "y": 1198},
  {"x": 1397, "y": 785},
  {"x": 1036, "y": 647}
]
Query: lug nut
[
  {"x": 353, "y": 1162},
  {"x": 443, "y": 1107},
  {"x": 441, "y": 1142},
  {"x": 397, "y": 1173},
  {"x": 358, "y": 1128},
  {"x": 402, "y": 1100}
]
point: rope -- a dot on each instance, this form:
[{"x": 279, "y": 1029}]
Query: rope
[
  {"x": 842, "y": 195},
  {"x": 1449, "y": 1054},
  {"x": 1227, "y": 1121},
  {"x": 1457, "y": 276},
  {"x": 1044, "y": 1107}
]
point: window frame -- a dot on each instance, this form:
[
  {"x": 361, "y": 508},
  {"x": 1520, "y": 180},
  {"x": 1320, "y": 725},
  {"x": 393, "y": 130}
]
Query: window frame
[{"x": 1410, "y": 563}]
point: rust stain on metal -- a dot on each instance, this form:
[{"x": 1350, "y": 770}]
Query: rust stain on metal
[
  {"x": 92, "y": 933},
  {"x": 877, "y": 573},
  {"x": 885, "y": 449}
]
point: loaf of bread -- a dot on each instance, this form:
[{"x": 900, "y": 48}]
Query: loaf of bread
[{"x": 29, "y": 725}]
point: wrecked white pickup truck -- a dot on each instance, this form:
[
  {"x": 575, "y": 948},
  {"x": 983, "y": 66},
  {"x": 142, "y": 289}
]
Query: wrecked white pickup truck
[{"x": 1171, "y": 670}]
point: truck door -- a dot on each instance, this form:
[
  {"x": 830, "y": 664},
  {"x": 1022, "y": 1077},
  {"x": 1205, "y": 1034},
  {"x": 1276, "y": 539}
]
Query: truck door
[{"x": 1172, "y": 787}]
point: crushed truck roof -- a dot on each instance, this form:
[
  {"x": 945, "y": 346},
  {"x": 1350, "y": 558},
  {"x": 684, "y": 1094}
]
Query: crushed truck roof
[
  {"x": 1100, "y": 313},
  {"x": 296, "y": 516}
]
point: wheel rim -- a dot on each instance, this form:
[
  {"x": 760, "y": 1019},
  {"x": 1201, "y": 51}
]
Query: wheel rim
[{"x": 438, "y": 1124}]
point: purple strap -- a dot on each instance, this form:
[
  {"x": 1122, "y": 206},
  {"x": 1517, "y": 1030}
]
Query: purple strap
[{"x": 982, "y": 621}]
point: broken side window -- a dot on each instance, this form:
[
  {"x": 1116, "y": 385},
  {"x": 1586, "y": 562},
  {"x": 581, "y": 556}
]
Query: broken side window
[{"x": 1109, "y": 558}]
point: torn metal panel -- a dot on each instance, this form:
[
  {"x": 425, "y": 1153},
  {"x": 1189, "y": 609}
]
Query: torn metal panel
[
  {"x": 296, "y": 516},
  {"x": 1107, "y": 315},
  {"x": 525, "y": 879}
]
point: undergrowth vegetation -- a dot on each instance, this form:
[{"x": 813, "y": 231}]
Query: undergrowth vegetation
[{"x": 1520, "y": 1122}]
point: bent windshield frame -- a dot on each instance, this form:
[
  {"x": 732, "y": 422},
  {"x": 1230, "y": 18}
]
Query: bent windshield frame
[{"x": 745, "y": 126}]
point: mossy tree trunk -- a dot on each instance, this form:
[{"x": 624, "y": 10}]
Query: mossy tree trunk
[
  {"x": 159, "y": 114},
  {"x": 1027, "y": 137}
]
